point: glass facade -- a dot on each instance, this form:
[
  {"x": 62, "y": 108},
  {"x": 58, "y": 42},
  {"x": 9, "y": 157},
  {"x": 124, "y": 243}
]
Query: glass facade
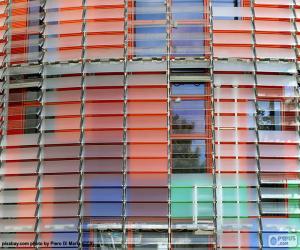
[{"x": 150, "y": 124}]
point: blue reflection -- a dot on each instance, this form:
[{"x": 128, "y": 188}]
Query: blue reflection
[
  {"x": 188, "y": 89},
  {"x": 103, "y": 194},
  {"x": 102, "y": 209}
]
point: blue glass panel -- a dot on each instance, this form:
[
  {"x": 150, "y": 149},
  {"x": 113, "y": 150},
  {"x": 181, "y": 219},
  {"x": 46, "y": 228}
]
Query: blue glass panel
[
  {"x": 188, "y": 89},
  {"x": 102, "y": 209},
  {"x": 187, "y": 9},
  {"x": 103, "y": 194},
  {"x": 103, "y": 180},
  {"x": 150, "y": 10}
]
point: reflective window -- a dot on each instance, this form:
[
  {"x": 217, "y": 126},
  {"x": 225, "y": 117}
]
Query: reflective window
[
  {"x": 269, "y": 115},
  {"x": 188, "y": 89},
  {"x": 147, "y": 10},
  {"x": 188, "y": 116},
  {"x": 229, "y": 3},
  {"x": 188, "y": 156}
]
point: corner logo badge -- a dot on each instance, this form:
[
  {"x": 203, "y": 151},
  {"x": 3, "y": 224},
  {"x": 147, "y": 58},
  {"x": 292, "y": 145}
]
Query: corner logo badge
[{"x": 283, "y": 240}]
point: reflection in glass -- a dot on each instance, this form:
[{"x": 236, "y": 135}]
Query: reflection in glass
[{"x": 188, "y": 156}]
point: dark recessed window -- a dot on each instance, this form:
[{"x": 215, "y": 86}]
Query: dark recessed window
[
  {"x": 269, "y": 115},
  {"x": 188, "y": 156}
]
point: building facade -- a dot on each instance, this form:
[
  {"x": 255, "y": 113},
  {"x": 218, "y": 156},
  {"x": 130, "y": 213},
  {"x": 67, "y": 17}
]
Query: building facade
[{"x": 149, "y": 124}]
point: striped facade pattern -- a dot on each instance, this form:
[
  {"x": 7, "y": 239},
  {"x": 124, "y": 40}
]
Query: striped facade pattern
[{"x": 150, "y": 124}]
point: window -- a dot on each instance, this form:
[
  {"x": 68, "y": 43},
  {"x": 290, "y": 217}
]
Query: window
[
  {"x": 190, "y": 119},
  {"x": 24, "y": 111},
  {"x": 148, "y": 20},
  {"x": 188, "y": 36},
  {"x": 150, "y": 40},
  {"x": 150, "y": 10},
  {"x": 269, "y": 115},
  {"x": 188, "y": 89},
  {"x": 228, "y": 3},
  {"x": 188, "y": 116},
  {"x": 188, "y": 156},
  {"x": 149, "y": 28}
]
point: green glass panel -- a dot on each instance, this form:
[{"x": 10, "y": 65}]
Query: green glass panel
[
  {"x": 188, "y": 194},
  {"x": 186, "y": 210},
  {"x": 191, "y": 180},
  {"x": 244, "y": 194},
  {"x": 240, "y": 209},
  {"x": 182, "y": 210},
  {"x": 294, "y": 207}
]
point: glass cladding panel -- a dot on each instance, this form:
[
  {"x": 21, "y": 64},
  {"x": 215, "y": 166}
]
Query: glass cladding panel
[
  {"x": 59, "y": 195},
  {"x": 13, "y": 196},
  {"x": 17, "y": 225},
  {"x": 17, "y": 168},
  {"x": 58, "y": 224},
  {"x": 59, "y": 210}
]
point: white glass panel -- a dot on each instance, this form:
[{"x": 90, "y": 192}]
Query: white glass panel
[
  {"x": 20, "y": 153},
  {"x": 276, "y": 80},
  {"x": 105, "y": 80},
  {"x": 235, "y": 180},
  {"x": 18, "y": 140},
  {"x": 154, "y": 79},
  {"x": 233, "y": 66},
  {"x": 235, "y": 121},
  {"x": 279, "y": 150},
  {"x": 270, "y": 39},
  {"x": 236, "y": 79},
  {"x": 62, "y": 82},
  {"x": 242, "y": 25},
  {"x": 55, "y": 4},
  {"x": 275, "y": 2},
  {"x": 276, "y": 67},
  {"x": 274, "y": 26},
  {"x": 235, "y": 107},
  {"x": 280, "y": 165},
  {"x": 235, "y": 136},
  {"x": 234, "y": 93},
  {"x": 240, "y": 150},
  {"x": 278, "y": 136},
  {"x": 273, "y": 12},
  {"x": 231, "y": 12},
  {"x": 234, "y": 38},
  {"x": 275, "y": 53},
  {"x": 229, "y": 165}
]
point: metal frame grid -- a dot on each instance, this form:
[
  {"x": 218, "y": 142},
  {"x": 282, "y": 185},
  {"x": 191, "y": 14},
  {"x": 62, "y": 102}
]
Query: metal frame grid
[{"x": 131, "y": 64}]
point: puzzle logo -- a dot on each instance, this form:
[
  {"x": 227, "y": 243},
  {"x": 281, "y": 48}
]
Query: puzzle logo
[{"x": 283, "y": 240}]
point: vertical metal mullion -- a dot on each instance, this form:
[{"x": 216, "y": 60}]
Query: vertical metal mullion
[
  {"x": 5, "y": 74},
  {"x": 5, "y": 86},
  {"x": 82, "y": 128},
  {"x": 213, "y": 141},
  {"x": 5, "y": 89},
  {"x": 169, "y": 30},
  {"x": 124, "y": 167},
  {"x": 257, "y": 143},
  {"x": 40, "y": 139}
]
